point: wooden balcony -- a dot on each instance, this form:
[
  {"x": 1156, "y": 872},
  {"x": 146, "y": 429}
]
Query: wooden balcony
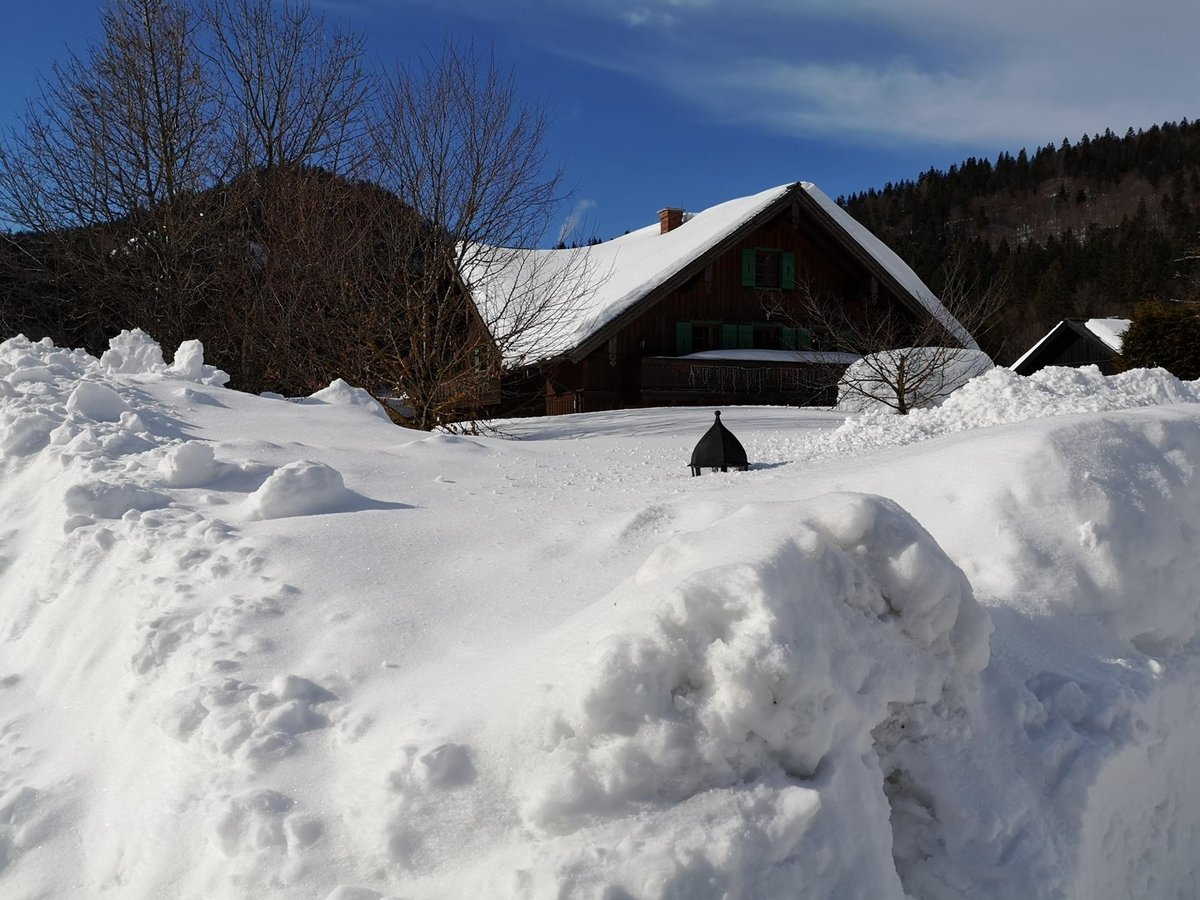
[
  {"x": 471, "y": 391},
  {"x": 687, "y": 380}
]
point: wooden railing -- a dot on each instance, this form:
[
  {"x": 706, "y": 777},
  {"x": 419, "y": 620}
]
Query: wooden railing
[
  {"x": 470, "y": 391},
  {"x": 745, "y": 378}
]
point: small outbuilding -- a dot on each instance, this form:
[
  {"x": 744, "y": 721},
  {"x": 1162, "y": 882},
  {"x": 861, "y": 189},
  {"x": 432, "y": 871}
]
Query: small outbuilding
[{"x": 1075, "y": 343}]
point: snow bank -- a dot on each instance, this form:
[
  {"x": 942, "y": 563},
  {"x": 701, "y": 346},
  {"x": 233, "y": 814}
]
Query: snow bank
[
  {"x": 862, "y": 669},
  {"x": 777, "y": 654},
  {"x": 997, "y": 397}
]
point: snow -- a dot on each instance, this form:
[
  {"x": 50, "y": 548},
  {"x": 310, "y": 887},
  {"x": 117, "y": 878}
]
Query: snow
[
  {"x": 933, "y": 374},
  {"x": 339, "y": 392},
  {"x": 253, "y": 648},
  {"x": 611, "y": 277},
  {"x": 301, "y": 488},
  {"x": 1110, "y": 331}
]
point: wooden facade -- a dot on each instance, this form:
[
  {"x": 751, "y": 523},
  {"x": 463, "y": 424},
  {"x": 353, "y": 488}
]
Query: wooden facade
[{"x": 747, "y": 293}]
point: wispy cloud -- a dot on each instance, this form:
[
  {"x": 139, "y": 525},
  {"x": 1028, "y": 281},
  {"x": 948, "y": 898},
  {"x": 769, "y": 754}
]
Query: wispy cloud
[
  {"x": 939, "y": 71},
  {"x": 641, "y": 16},
  {"x": 961, "y": 79}
]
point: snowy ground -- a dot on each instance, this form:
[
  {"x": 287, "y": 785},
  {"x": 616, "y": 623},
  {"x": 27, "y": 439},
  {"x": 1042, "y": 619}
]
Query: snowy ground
[{"x": 256, "y": 648}]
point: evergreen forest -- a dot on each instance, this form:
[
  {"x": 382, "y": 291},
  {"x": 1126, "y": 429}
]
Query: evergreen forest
[{"x": 1078, "y": 230}]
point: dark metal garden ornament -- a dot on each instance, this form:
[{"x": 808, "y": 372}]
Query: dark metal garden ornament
[{"x": 718, "y": 449}]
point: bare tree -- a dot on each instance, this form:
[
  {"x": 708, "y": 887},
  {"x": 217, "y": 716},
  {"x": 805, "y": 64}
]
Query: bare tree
[
  {"x": 152, "y": 178},
  {"x": 295, "y": 94},
  {"x": 905, "y": 360},
  {"x": 296, "y": 91},
  {"x": 460, "y": 295},
  {"x": 108, "y": 162},
  {"x": 243, "y": 179}
]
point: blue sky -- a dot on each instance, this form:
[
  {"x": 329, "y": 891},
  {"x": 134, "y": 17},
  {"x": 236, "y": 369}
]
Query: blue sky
[{"x": 690, "y": 102}]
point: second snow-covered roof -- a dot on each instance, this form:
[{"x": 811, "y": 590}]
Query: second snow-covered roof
[{"x": 1110, "y": 332}]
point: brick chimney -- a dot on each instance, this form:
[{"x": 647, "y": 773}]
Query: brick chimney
[{"x": 669, "y": 219}]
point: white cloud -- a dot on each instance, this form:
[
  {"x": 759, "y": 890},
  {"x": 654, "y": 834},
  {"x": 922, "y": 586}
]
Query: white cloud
[
  {"x": 942, "y": 71},
  {"x": 641, "y": 16}
]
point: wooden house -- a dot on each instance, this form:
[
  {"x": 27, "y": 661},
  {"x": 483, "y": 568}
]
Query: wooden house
[
  {"x": 709, "y": 308},
  {"x": 1076, "y": 342}
]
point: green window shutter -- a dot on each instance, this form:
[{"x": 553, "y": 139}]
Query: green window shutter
[
  {"x": 683, "y": 338},
  {"x": 729, "y": 337},
  {"x": 796, "y": 339},
  {"x": 787, "y": 271},
  {"x": 745, "y": 335},
  {"x": 749, "y": 262}
]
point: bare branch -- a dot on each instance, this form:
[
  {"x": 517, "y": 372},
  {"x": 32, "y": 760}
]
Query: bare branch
[
  {"x": 458, "y": 150},
  {"x": 904, "y": 361},
  {"x": 296, "y": 93}
]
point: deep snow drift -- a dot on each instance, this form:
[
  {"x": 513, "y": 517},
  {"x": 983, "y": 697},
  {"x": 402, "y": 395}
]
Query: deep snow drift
[{"x": 260, "y": 648}]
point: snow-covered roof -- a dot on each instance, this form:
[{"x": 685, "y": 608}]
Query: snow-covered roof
[
  {"x": 1110, "y": 332},
  {"x": 610, "y": 278}
]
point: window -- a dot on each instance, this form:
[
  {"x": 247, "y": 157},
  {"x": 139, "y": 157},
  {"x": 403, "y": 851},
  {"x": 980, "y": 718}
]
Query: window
[
  {"x": 705, "y": 336},
  {"x": 796, "y": 339},
  {"x": 768, "y": 269},
  {"x": 766, "y": 337},
  {"x": 695, "y": 337}
]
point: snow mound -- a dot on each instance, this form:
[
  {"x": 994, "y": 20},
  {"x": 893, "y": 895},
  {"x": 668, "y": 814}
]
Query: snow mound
[
  {"x": 773, "y": 646},
  {"x": 1000, "y": 396},
  {"x": 105, "y": 500},
  {"x": 95, "y": 401},
  {"x": 189, "y": 365},
  {"x": 342, "y": 394},
  {"x": 190, "y": 464},
  {"x": 133, "y": 352},
  {"x": 301, "y": 488}
]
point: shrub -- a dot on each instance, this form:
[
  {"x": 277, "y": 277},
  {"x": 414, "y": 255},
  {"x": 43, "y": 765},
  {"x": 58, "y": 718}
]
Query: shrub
[{"x": 1166, "y": 335}]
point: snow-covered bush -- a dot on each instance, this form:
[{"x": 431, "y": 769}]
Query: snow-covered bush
[{"x": 908, "y": 378}]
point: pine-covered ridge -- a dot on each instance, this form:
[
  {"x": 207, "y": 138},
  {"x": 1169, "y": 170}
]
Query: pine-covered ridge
[{"x": 1090, "y": 228}]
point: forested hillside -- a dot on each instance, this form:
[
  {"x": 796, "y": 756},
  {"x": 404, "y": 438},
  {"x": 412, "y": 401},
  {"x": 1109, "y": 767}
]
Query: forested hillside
[{"x": 1090, "y": 228}]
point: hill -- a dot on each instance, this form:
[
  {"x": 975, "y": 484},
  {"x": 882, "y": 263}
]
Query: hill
[{"x": 1084, "y": 229}]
